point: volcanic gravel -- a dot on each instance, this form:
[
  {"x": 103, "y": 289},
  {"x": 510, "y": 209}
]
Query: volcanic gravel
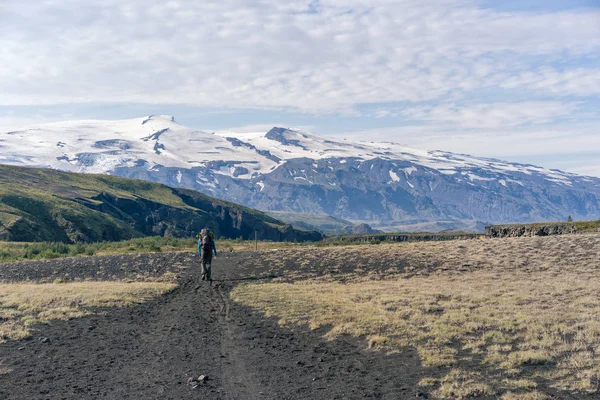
[{"x": 159, "y": 349}]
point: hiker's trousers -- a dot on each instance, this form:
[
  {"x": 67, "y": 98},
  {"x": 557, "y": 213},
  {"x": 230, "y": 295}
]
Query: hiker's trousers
[{"x": 206, "y": 261}]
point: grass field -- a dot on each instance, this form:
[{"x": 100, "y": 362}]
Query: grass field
[
  {"x": 15, "y": 251},
  {"x": 25, "y": 304},
  {"x": 515, "y": 318}
]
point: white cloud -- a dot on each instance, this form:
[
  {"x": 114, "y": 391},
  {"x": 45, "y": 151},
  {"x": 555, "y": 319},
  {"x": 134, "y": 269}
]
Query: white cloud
[
  {"x": 497, "y": 142},
  {"x": 492, "y": 115},
  {"x": 9, "y": 121},
  {"x": 574, "y": 82},
  {"x": 316, "y": 57},
  {"x": 589, "y": 170}
]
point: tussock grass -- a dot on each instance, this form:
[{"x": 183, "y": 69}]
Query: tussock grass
[
  {"x": 22, "y": 305},
  {"x": 22, "y": 251},
  {"x": 504, "y": 317}
]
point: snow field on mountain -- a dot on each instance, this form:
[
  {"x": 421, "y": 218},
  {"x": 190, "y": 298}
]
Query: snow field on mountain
[{"x": 96, "y": 146}]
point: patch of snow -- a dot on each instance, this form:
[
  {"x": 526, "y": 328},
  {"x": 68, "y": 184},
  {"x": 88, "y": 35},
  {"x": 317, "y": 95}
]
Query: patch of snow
[
  {"x": 394, "y": 176},
  {"x": 474, "y": 177},
  {"x": 564, "y": 182},
  {"x": 179, "y": 176},
  {"x": 409, "y": 170},
  {"x": 296, "y": 178},
  {"x": 514, "y": 181},
  {"x": 448, "y": 171},
  {"x": 261, "y": 185}
]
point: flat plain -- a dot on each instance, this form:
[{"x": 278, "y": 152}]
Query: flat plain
[{"x": 513, "y": 318}]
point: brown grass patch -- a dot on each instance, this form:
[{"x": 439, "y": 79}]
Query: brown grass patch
[
  {"x": 25, "y": 304},
  {"x": 503, "y": 317}
]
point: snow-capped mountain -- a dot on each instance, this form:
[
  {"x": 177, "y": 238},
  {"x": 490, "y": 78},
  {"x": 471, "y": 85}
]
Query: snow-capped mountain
[{"x": 295, "y": 171}]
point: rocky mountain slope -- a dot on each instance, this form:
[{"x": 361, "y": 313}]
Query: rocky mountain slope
[
  {"x": 288, "y": 170},
  {"x": 47, "y": 205}
]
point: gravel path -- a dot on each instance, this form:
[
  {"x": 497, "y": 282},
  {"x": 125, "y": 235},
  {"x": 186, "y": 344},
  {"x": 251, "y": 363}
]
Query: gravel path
[{"x": 157, "y": 350}]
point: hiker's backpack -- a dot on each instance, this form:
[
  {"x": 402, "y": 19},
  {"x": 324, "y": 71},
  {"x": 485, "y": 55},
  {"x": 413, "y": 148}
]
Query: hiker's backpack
[{"x": 207, "y": 243}]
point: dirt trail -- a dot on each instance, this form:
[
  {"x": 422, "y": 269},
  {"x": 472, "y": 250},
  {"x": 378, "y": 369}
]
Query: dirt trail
[{"x": 151, "y": 350}]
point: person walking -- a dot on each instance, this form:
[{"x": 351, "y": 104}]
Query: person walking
[{"x": 206, "y": 249}]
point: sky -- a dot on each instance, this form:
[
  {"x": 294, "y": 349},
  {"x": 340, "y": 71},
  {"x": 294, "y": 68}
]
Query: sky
[{"x": 511, "y": 79}]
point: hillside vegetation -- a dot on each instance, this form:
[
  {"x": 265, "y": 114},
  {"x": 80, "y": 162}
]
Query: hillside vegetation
[{"x": 47, "y": 205}]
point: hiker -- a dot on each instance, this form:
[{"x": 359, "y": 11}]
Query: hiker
[{"x": 206, "y": 249}]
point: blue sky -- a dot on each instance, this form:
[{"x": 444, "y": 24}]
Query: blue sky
[{"x": 518, "y": 80}]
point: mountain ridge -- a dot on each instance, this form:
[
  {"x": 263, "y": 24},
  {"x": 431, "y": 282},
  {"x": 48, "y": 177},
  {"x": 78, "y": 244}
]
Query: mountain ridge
[
  {"x": 48, "y": 205},
  {"x": 290, "y": 170}
]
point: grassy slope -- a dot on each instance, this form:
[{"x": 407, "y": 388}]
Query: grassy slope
[{"x": 47, "y": 205}]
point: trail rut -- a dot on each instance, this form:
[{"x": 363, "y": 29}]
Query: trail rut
[{"x": 152, "y": 350}]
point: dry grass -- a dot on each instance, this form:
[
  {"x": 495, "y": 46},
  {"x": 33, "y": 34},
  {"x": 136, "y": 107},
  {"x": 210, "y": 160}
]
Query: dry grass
[
  {"x": 556, "y": 252},
  {"x": 22, "y": 305},
  {"x": 502, "y": 317}
]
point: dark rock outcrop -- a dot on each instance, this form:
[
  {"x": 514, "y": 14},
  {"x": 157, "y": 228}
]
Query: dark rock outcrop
[
  {"x": 530, "y": 230},
  {"x": 402, "y": 237}
]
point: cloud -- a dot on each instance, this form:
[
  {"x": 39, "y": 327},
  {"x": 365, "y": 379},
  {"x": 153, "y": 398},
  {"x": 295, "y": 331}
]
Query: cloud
[
  {"x": 589, "y": 170},
  {"x": 526, "y": 141},
  {"x": 262, "y": 128},
  {"x": 444, "y": 74},
  {"x": 9, "y": 120},
  {"x": 574, "y": 82},
  {"x": 312, "y": 56},
  {"x": 492, "y": 115}
]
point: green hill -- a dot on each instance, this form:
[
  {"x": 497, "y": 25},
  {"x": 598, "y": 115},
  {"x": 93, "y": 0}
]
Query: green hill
[{"x": 48, "y": 205}]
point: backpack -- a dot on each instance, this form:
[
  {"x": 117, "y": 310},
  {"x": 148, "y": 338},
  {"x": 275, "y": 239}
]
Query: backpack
[{"x": 207, "y": 243}]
